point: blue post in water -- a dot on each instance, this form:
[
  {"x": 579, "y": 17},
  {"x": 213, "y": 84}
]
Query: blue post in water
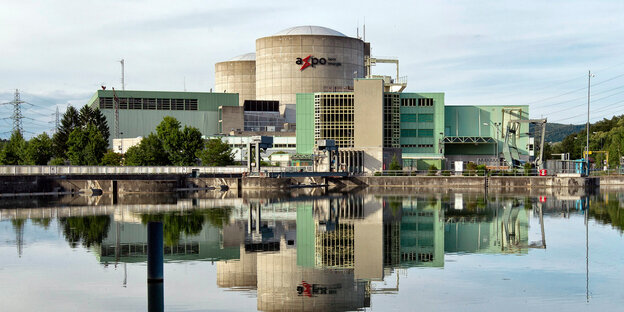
[
  {"x": 155, "y": 255},
  {"x": 154, "y": 252}
]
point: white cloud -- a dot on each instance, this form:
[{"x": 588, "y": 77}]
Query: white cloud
[{"x": 485, "y": 52}]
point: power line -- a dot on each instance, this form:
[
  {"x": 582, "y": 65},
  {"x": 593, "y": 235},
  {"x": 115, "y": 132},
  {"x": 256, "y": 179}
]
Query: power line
[{"x": 575, "y": 90}]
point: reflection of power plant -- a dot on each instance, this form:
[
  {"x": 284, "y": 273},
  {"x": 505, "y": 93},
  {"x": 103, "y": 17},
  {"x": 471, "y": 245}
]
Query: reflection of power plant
[{"x": 328, "y": 253}]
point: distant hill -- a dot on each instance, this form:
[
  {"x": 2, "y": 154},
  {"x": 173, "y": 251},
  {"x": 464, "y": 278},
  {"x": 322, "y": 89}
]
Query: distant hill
[{"x": 556, "y": 132}]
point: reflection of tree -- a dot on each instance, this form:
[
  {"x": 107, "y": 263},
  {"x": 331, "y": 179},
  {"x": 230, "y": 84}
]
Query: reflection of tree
[
  {"x": 176, "y": 223},
  {"x": 86, "y": 230},
  {"x": 218, "y": 216},
  {"x": 43, "y": 222},
  {"x": 608, "y": 213}
]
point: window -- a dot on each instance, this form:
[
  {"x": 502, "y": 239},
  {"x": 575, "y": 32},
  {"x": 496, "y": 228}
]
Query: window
[
  {"x": 408, "y": 117},
  {"x": 408, "y": 132},
  {"x": 425, "y": 132},
  {"x": 408, "y": 102},
  {"x": 425, "y": 117},
  {"x": 425, "y": 102},
  {"x": 106, "y": 103}
]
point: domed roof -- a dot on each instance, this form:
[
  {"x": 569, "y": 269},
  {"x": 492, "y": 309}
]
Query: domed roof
[
  {"x": 244, "y": 57},
  {"x": 309, "y": 30}
]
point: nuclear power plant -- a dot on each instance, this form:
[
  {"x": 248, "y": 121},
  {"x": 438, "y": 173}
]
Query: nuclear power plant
[{"x": 307, "y": 85}]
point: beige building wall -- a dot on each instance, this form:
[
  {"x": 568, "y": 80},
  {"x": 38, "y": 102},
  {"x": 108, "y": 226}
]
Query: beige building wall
[
  {"x": 369, "y": 242},
  {"x": 369, "y": 114},
  {"x": 278, "y": 77},
  {"x": 238, "y": 273},
  {"x": 232, "y": 118},
  {"x": 279, "y": 277},
  {"x": 237, "y": 76}
]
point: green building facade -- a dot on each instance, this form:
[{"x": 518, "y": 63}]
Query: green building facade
[
  {"x": 141, "y": 111},
  {"x": 430, "y": 132}
]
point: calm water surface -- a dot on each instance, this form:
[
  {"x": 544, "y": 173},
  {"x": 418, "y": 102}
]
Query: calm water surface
[{"x": 425, "y": 251}]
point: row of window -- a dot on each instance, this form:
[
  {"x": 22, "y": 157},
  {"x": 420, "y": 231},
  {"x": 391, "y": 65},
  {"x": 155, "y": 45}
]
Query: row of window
[
  {"x": 418, "y": 145},
  {"x": 415, "y": 132},
  {"x": 149, "y": 103},
  {"x": 417, "y": 102},
  {"x": 416, "y": 117},
  {"x": 233, "y": 145}
]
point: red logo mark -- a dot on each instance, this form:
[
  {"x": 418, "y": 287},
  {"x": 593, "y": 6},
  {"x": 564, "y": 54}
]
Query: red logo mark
[
  {"x": 306, "y": 62},
  {"x": 307, "y": 288}
]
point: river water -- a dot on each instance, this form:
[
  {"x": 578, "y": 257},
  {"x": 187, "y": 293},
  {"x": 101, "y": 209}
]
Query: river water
[{"x": 383, "y": 251}]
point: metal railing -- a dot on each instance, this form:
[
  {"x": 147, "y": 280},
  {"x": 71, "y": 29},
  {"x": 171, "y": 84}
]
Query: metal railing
[
  {"x": 489, "y": 173},
  {"x": 126, "y": 170}
]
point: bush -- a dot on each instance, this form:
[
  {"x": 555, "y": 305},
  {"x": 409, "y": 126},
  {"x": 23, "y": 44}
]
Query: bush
[
  {"x": 394, "y": 164},
  {"x": 446, "y": 173},
  {"x": 481, "y": 169},
  {"x": 112, "y": 159},
  {"x": 432, "y": 170},
  {"x": 56, "y": 161},
  {"x": 527, "y": 169}
]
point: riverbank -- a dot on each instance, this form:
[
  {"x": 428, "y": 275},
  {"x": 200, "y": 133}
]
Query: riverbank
[{"x": 26, "y": 185}]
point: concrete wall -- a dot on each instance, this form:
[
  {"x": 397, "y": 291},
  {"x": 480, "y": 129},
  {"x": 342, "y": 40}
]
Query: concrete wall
[
  {"x": 369, "y": 114},
  {"x": 236, "y": 77},
  {"x": 232, "y": 118},
  {"x": 611, "y": 180},
  {"x": 278, "y": 77}
]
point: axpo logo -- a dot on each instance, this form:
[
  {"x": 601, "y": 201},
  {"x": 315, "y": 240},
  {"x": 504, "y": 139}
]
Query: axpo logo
[{"x": 313, "y": 61}]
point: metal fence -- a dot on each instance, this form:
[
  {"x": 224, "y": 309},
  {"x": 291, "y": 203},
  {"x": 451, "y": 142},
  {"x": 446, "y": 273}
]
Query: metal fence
[
  {"x": 490, "y": 173},
  {"x": 126, "y": 170}
]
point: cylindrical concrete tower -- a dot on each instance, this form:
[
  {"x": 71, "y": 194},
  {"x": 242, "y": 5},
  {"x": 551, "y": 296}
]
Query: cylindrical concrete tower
[
  {"x": 306, "y": 59},
  {"x": 238, "y": 75}
]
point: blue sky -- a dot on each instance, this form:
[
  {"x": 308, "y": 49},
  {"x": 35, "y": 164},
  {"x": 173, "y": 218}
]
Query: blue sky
[{"x": 477, "y": 52}]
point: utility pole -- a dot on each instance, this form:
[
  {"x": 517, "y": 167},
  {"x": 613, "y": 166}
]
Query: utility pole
[
  {"x": 589, "y": 77},
  {"x": 17, "y": 112},
  {"x": 123, "y": 85}
]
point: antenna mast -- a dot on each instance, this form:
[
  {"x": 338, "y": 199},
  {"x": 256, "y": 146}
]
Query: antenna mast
[
  {"x": 116, "y": 101},
  {"x": 123, "y": 85}
]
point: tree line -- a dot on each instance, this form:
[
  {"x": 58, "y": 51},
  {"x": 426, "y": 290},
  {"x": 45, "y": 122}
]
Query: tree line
[
  {"x": 82, "y": 139},
  {"x": 604, "y": 135}
]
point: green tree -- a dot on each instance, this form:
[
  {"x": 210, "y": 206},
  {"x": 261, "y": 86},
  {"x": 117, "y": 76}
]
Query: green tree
[
  {"x": 216, "y": 153},
  {"x": 112, "y": 159},
  {"x": 394, "y": 164},
  {"x": 13, "y": 151},
  {"x": 38, "y": 150},
  {"x": 149, "y": 152},
  {"x": 192, "y": 143},
  {"x": 86, "y": 146},
  {"x": 94, "y": 115},
  {"x": 181, "y": 146},
  {"x": 69, "y": 122},
  {"x": 170, "y": 136}
]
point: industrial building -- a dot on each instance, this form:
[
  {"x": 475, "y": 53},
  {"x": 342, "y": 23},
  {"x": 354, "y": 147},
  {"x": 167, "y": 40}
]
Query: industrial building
[
  {"x": 139, "y": 112},
  {"x": 425, "y": 131},
  {"x": 318, "y": 82}
]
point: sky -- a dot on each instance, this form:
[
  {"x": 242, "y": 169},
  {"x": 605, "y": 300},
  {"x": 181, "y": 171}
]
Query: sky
[{"x": 483, "y": 52}]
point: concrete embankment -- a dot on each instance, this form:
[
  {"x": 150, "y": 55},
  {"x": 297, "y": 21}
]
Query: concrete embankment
[
  {"x": 614, "y": 180},
  {"x": 479, "y": 182},
  {"x": 129, "y": 184}
]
